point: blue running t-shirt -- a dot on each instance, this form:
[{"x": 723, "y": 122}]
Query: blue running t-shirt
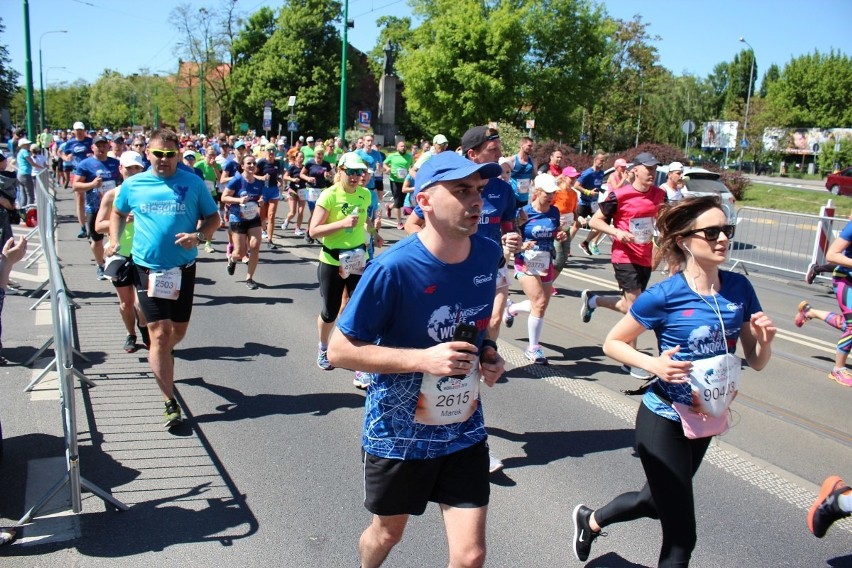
[
  {"x": 408, "y": 298},
  {"x": 88, "y": 170}
]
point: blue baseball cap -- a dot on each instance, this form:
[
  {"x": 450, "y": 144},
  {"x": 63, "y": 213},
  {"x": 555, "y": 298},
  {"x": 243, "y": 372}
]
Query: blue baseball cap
[{"x": 449, "y": 166}]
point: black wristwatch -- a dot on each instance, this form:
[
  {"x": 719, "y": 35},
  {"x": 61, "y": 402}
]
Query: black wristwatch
[{"x": 199, "y": 236}]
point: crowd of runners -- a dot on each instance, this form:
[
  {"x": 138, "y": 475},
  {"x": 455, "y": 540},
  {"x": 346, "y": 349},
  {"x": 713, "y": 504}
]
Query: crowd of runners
[{"x": 475, "y": 220}]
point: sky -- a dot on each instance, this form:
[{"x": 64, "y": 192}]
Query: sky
[{"x": 695, "y": 35}]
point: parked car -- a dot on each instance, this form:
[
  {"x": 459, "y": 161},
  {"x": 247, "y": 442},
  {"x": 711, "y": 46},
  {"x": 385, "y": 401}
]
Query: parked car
[
  {"x": 840, "y": 183},
  {"x": 699, "y": 182}
]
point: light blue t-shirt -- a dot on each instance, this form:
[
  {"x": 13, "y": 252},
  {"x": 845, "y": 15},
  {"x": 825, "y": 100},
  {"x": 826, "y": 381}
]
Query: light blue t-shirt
[
  {"x": 25, "y": 168},
  {"x": 434, "y": 297},
  {"x": 679, "y": 316},
  {"x": 162, "y": 208}
]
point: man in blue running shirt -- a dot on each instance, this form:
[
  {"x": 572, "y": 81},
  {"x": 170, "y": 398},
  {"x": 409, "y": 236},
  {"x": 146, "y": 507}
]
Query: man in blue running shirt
[
  {"x": 166, "y": 203},
  {"x": 424, "y": 435}
]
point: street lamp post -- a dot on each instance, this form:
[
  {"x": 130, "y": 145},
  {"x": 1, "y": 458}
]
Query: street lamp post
[
  {"x": 748, "y": 101},
  {"x": 40, "y": 78}
]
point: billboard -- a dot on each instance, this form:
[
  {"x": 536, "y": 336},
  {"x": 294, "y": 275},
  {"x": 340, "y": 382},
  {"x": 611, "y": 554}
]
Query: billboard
[
  {"x": 719, "y": 134},
  {"x": 802, "y": 141}
]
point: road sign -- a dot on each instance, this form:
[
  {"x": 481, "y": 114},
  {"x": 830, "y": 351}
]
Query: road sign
[
  {"x": 267, "y": 124},
  {"x": 364, "y": 118},
  {"x": 291, "y": 102},
  {"x": 584, "y": 137},
  {"x": 530, "y": 124},
  {"x": 743, "y": 143},
  {"x": 182, "y": 124},
  {"x": 688, "y": 127},
  {"x": 292, "y": 126}
]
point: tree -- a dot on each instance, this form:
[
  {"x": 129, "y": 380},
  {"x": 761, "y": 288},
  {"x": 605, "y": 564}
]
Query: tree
[
  {"x": 564, "y": 70},
  {"x": 301, "y": 58},
  {"x": 461, "y": 66},
  {"x": 813, "y": 91},
  {"x": 66, "y": 104},
  {"x": 113, "y": 101},
  {"x": 772, "y": 75},
  {"x": 8, "y": 76}
]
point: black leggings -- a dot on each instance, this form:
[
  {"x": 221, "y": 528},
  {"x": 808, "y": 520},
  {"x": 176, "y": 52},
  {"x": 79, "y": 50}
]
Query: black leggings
[
  {"x": 398, "y": 195},
  {"x": 670, "y": 461},
  {"x": 331, "y": 289}
]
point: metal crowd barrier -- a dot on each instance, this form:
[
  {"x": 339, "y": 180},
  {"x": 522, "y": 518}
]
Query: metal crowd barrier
[
  {"x": 779, "y": 240},
  {"x": 63, "y": 332}
]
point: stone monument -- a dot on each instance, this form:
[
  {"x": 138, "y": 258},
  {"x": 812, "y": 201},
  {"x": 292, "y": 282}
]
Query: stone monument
[{"x": 386, "y": 119}]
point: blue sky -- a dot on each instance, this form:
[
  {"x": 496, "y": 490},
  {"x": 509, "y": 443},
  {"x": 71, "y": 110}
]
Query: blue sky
[{"x": 695, "y": 35}]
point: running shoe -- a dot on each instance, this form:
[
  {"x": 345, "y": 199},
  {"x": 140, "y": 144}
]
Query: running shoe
[
  {"x": 811, "y": 274},
  {"x": 593, "y": 248},
  {"x": 508, "y": 318},
  {"x": 584, "y": 246},
  {"x": 802, "y": 313},
  {"x": 309, "y": 240},
  {"x": 272, "y": 246},
  {"x": 83, "y": 233},
  {"x": 400, "y": 226},
  {"x": 130, "y": 344},
  {"x": 298, "y": 232},
  {"x": 494, "y": 464},
  {"x": 263, "y": 235},
  {"x": 585, "y": 310},
  {"x": 535, "y": 354},
  {"x": 232, "y": 266},
  {"x": 285, "y": 225},
  {"x": 99, "y": 273},
  {"x": 825, "y": 510},
  {"x": 251, "y": 284},
  {"x": 842, "y": 376},
  {"x": 208, "y": 247},
  {"x": 362, "y": 380},
  {"x": 584, "y": 536},
  {"x": 322, "y": 360},
  {"x": 172, "y": 414},
  {"x": 638, "y": 373}
]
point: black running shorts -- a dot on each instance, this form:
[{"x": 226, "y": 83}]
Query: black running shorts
[{"x": 158, "y": 309}]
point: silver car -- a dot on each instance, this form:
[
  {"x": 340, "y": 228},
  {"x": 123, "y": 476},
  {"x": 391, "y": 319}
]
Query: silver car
[{"x": 700, "y": 182}]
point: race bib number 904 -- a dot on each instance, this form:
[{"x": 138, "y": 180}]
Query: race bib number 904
[{"x": 447, "y": 400}]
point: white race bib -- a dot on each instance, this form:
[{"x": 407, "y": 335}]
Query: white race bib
[
  {"x": 401, "y": 173},
  {"x": 249, "y": 210},
  {"x": 566, "y": 220},
  {"x": 642, "y": 229},
  {"x": 314, "y": 193},
  {"x": 107, "y": 185},
  {"x": 447, "y": 400},
  {"x": 523, "y": 186},
  {"x": 714, "y": 383},
  {"x": 165, "y": 285},
  {"x": 302, "y": 194},
  {"x": 537, "y": 261},
  {"x": 211, "y": 186},
  {"x": 352, "y": 262}
]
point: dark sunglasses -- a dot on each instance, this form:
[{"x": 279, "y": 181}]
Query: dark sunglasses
[
  {"x": 164, "y": 153},
  {"x": 354, "y": 172},
  {"x": 712, "y": 233}
]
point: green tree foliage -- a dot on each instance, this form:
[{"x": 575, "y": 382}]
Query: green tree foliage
[
  {"x": 739, "y": 73},
  {"x": 772, "y": 75},
  {"x": 301, "y": 58},
  {"x": 565, "y": 66},
  {"x": 8, "y": 76},
  {"x": 461, "y": 66},
  {"x": 67, "y": 104},
  {"x": 113, "y": 101},
  {"x": 829, "y": 160},
  {"x": 813, "y": 91},
  {"x": 391, "y": 29}
]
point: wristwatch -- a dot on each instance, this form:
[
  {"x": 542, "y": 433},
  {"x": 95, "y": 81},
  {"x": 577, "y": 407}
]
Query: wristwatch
[{"x": 199, "y": 236}]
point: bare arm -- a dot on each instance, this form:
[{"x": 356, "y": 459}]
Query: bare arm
[
  {"x": 618, "y": 346},
  {"x": 836, "y": 253},
  {"x": 414, "y": 224},
  {"x": 103, "y": 218},
  {"x": 756, "y": 337}
]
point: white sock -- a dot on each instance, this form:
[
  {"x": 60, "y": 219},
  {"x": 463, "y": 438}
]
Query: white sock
[
  {"x": 520, "y": 308},
  {"x": 323, "y": 347},
  {"x": 844, "y": 501},
  {"x": 534, "y": 326},
  {"x": 593, "y": 302}
]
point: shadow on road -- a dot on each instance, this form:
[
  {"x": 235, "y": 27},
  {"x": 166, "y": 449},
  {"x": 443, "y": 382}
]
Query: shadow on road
[
  {"x": 248, "y": 352},
  {"x": 542, "y": 448}
]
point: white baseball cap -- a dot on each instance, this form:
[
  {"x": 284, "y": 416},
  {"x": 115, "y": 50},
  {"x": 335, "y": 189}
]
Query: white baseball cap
[
  {"x": 675, "y": 167},
  {"x": 131, "y": 158},
  {"x": 79, "y": 126}
]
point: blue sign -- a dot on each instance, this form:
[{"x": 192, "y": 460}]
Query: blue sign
[
  {"x": 267, "y": 124},
  {"x": 292, "y": 126},
  {"x": 743, "y": 143},
  {"x": 584, "y": 137},
  {"x": 364, "y": 117}
]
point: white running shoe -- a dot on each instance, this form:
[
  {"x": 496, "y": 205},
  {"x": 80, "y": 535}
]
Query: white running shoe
[{"x": 494, "y": 465}]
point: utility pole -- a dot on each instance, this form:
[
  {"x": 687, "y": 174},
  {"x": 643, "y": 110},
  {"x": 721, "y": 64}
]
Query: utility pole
[
  {"x": 28, "y": 66},
  {"x": 342, "y": 117}
]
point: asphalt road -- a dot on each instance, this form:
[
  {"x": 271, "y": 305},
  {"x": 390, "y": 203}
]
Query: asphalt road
[{"x": 268, "y": 472}]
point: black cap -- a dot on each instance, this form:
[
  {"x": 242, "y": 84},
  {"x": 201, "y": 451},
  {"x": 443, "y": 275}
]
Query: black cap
[
  {"x": 119, "y": 139},
  {"x": 646, "y": 159},
  {"x": 99, "y": 139},
  {"x": 476, "y": 137}
]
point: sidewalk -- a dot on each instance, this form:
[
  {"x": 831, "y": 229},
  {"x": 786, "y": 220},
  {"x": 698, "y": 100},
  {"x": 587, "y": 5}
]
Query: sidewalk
[{"x": 124, "y": 448}]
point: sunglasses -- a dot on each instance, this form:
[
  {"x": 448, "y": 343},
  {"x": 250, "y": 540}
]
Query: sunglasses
[
  {"x": 249, "y": 163},
  {"x": 139, "y": 145},
  {"x": 354, "y": 172},
  {"x": 164, "y": 153},
  {"x": 712, "y": 233}
]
